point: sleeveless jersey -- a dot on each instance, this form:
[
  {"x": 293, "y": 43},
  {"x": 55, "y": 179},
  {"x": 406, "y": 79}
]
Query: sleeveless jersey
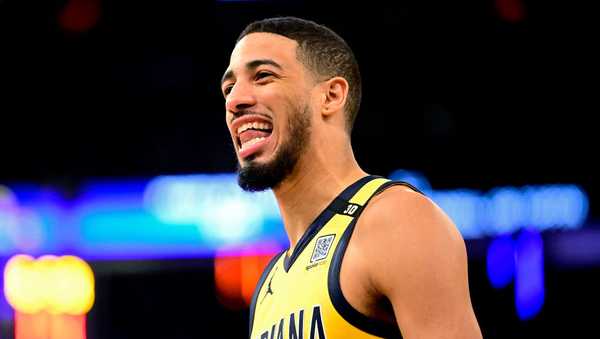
[{"x": 299, "y": 297}]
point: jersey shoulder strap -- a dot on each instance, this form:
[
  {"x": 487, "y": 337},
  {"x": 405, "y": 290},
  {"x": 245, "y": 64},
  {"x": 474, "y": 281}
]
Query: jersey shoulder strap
[{"x": 342, "y": 306}]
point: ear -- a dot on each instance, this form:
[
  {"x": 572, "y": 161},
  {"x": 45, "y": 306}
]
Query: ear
[{"x": 336, "y": 94}]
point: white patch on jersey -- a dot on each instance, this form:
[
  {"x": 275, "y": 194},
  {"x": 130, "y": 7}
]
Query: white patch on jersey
[{"x": 322, "y": 246}]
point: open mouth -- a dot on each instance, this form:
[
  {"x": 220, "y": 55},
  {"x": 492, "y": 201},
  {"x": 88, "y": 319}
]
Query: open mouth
[{"x": 251, "y": 136}]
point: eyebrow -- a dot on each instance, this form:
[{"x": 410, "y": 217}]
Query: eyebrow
[{"x": 251, "y": 65}]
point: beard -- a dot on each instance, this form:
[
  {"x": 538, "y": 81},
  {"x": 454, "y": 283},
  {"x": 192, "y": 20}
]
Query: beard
[{"x": 254, "y": 177}]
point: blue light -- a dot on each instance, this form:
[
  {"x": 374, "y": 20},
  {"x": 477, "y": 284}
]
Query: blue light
[
  {"x": 500, "y": 261},
  {"x": 575, "y": 249},
  {"x": 112, "y": 188},
  {"x": 135, "y": 233},
  {"x": 557, "y": 206},
  {"x": 135, "y": 227},
  {"x": 25, "y": 228},
  {"x": 463, "y": 207},
  {"x": 412, "y": 177},
  {"x": 220, "y": 208},
  {"x": 575, "y": 205},
  {"x": 9, "y": 212},
  {"x": 197, "y": 214},
  {"x": 507, "y": 210},
  {"x": 6, "y": 312},
  {"x": 529, "y": 274},
  {"x": 546, "y": 206}
]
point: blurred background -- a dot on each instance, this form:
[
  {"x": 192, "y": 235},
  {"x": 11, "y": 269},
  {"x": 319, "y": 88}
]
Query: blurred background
[{"x": 120, "y": 216}]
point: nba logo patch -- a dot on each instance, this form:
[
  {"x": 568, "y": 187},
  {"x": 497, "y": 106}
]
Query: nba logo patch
[{"x": 322, "y": 247}]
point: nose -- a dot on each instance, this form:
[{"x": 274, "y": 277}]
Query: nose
[{"x": 239, "y": 98}]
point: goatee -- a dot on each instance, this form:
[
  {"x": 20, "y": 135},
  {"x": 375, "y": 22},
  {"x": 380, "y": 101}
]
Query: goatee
[{"x": 254, "y": 176}]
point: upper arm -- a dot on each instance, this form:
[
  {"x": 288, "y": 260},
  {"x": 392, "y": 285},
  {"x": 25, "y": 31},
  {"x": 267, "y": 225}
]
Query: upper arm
[{"x": 419, "y": 264}]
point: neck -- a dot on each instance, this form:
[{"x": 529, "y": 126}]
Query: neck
[{"x": 314, "y": 183}]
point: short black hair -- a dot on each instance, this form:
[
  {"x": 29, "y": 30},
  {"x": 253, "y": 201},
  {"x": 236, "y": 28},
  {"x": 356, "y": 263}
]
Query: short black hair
[{"x": 321, "y": 50}]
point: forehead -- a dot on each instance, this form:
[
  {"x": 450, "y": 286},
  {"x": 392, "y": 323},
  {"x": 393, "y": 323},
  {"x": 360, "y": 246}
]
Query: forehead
[{"x": 262, "y": 46}]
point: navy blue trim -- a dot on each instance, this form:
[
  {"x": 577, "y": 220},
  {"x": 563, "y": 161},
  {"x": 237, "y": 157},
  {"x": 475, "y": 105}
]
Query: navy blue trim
[
  {"x": 322, "y": 219},
  {"x": 341, "y": 206},
  {"x": 312, "y": 230},
  {"x": 348, "y": 312},
  {"x": 259, "y": 286}
]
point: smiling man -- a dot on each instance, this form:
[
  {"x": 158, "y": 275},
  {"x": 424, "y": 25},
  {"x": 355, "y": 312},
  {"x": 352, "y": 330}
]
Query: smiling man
[{"x": 368, "y": 257}]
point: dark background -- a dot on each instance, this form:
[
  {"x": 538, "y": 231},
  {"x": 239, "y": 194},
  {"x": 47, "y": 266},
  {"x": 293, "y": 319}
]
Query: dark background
[{"x": 460, "y": 91}]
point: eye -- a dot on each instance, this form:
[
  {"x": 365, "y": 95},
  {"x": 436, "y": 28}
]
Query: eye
[
  {"x": 262, "y": 74},
  {"x": 227, "y": 89}
]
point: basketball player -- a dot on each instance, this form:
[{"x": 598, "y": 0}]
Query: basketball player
[{"x": 368, "y": 257}]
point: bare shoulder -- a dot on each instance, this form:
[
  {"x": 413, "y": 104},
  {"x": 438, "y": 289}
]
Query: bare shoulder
[
  {"x": 406, "y": 230},
  {"x": 400, "y": 215},
  {"x": 418, "y": 261}
]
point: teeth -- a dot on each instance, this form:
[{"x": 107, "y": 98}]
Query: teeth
[
  {"x": 254, "y": 125},
  {"x": 244, "y": 127},
  {"x": 251, "y": 142}
]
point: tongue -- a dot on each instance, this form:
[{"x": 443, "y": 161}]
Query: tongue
[{"x": 252, "y": 134}]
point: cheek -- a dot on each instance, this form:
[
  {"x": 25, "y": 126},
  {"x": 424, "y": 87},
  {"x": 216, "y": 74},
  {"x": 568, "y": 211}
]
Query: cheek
[{"x": 271, "y": 97}]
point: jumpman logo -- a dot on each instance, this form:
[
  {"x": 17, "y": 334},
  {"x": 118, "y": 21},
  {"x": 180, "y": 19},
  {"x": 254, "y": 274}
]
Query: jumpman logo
[{"x": 269, "y": 289}]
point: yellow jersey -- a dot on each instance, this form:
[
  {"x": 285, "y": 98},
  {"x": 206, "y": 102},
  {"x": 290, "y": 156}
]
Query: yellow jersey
[{"x": 298, "y": 296}]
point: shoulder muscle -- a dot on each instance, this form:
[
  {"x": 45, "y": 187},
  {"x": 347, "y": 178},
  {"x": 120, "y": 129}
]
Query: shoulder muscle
[{"x": 417, "y": 260}]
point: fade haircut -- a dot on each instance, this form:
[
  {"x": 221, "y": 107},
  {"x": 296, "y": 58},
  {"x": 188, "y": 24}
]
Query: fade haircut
[{"x": 321, "y": 51}]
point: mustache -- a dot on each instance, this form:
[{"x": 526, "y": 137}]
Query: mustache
[{"x": 245, "y": 112}]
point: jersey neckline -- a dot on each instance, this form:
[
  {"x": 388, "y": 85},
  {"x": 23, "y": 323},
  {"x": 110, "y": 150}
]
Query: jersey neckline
[{"x": 322, "y": 219}]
